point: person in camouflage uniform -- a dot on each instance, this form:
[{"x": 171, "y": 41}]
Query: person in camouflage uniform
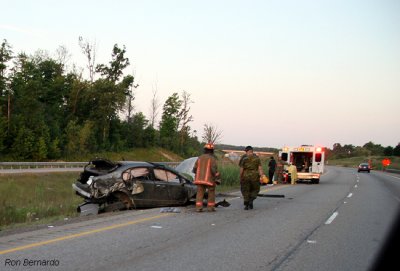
[{"x": 251, "y": 173}]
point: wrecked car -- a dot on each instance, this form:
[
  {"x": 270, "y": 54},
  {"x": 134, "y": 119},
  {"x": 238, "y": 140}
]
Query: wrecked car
[{"x": 109, "y": 186}]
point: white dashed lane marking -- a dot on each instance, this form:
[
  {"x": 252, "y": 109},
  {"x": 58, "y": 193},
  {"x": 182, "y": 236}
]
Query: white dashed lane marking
[{"x": 330, "y": 220}]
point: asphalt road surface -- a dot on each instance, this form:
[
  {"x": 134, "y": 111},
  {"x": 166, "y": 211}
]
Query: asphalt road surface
[{"x": 339, "y": 224}]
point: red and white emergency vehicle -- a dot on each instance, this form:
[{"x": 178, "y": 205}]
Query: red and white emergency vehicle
[{"x": 309, "y": 161}]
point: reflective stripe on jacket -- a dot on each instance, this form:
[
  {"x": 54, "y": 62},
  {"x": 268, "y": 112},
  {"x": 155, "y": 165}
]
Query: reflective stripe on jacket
[{"x": 205, "y": 169}]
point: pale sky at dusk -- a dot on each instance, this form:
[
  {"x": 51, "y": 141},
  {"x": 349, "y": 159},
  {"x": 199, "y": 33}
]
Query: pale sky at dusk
[{"x": 266, "y": 73}]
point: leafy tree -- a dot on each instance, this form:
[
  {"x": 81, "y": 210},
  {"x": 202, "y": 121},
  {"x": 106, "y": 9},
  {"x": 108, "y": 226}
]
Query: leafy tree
[
  {"x": 396, "y": 150},
  {"x": 388, "y": 151},
  {"x": 3, "y": 133},
  {"x": 54, "y": 149},
  {"x": 5, "y": 57},
  {"x": 360, "y": 151},
  {"x": 40, "y": 149},
  {"x": 340, "y": 151},
  {"x": 85, "y": 136},
  {"x": 119, "y": 62},
  {"x": 5, "y": 89},
  {"x": 117, "y": 136},
  {"x": 150, "y": 134},
  {"x": 184, "y": 119},
  {"x": 375, "y": 149},
  {"x": 72, "y": 138},
  {"x": 47, "y": 113},
  {"x": 136, "y": 135},
  {"x": 169, "y": 123},
  {"x": 22, "y": 147},
  {"x": 107, "y": 96}
]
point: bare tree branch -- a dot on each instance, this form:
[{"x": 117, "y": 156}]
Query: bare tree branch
[
  {"x": 154, "y": 107},
  {"x": 211, "y": 134},
  {"x": 89, "y": 50}
]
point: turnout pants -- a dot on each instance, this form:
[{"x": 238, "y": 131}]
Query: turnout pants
[{"x": 200, "y": 196}]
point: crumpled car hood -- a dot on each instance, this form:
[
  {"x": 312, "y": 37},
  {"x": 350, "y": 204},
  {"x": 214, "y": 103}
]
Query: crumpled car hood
[{"x": 186, "y": 166}]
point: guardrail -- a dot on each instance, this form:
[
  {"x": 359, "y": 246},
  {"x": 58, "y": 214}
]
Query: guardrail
[
  {"x": 30, "y": 165},
  {"x": 25, "y": 165}
]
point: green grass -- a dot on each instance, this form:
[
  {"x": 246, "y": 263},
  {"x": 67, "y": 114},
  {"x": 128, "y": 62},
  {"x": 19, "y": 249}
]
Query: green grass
[
  {"x": 229, "y": 177},
  {"x": 355, "y": 161},
  {"x": 34, "y": 198}
]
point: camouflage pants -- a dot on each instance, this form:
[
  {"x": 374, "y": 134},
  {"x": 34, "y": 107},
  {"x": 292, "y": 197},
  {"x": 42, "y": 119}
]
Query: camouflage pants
[
  {"x": 200, "y": 195},
  {"x": 250, "y": 190}
]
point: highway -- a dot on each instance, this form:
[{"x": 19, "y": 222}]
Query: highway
[{"x": 339, "y": 224}]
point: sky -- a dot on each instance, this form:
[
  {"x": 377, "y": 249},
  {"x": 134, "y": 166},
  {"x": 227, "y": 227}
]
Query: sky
[{"x": 265, "y": 73}]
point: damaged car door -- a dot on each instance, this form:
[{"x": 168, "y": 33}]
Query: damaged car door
[
  {"x": 139, "y": 182},
  {"x": 173, "y": 185}
]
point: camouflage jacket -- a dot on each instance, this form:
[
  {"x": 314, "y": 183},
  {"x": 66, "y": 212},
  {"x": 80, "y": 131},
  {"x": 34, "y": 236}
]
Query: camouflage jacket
[{"x": 250, "y": 164}]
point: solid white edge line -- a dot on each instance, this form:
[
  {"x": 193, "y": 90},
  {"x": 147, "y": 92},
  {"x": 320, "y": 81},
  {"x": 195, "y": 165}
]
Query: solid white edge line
[{"x": 333, "y": 216}]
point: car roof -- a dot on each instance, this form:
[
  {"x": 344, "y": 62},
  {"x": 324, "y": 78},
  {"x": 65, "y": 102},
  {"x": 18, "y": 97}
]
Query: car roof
[
  {"x": 127, "y": 164},
  {"x": 135, "y": 163}
]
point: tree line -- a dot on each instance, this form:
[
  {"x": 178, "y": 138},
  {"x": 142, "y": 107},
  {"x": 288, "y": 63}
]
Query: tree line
[
  {"x": 368, "y": 149},
  {"x": 49, "y": 112}
]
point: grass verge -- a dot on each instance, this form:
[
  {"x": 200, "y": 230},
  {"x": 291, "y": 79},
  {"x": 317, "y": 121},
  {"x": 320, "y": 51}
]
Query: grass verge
[{"x": 36, "y": 198}]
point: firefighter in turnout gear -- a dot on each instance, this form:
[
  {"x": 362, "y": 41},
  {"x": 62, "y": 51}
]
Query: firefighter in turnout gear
[
  {"x": 251, "y": 174},
  {"x": 206, "y": 175}
]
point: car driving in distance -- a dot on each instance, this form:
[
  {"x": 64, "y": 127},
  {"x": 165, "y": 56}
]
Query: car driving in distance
[{"x": 364, "y": 167}]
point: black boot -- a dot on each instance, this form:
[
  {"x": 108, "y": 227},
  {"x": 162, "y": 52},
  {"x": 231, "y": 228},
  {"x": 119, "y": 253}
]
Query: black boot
[
  {"x": 246, "y": 205},
  {"x": 251, "y": 204}
]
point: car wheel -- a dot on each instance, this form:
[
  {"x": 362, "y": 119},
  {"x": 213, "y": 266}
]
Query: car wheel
[{"x": 123, "y": 198}]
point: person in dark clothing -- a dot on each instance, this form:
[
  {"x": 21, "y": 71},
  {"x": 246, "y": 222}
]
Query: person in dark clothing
[{"x": 271, "y": 169}]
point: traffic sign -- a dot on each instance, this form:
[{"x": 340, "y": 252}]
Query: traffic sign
[{"x": 386, "y": 162}]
